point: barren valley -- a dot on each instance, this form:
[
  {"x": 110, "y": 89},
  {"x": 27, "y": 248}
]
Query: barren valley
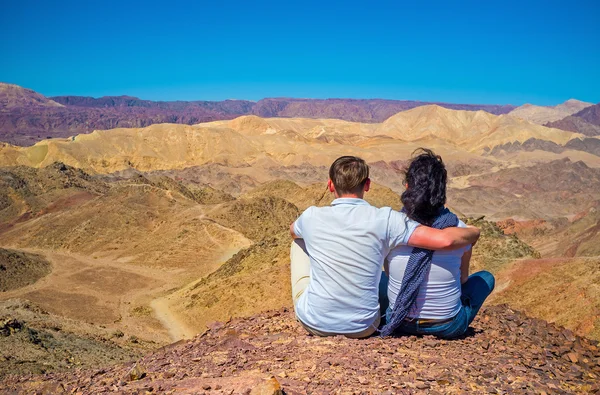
[{"x": 129, "y": 239}]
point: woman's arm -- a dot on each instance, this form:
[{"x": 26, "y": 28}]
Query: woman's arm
[{"x": 464, "y": 266}]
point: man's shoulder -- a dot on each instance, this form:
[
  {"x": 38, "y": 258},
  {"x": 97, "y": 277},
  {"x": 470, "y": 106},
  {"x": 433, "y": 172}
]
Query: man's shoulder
[{"x": 398, "y": 216}]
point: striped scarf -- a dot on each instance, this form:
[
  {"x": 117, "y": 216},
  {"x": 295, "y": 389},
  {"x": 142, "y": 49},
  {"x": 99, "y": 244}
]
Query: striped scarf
[{"x": 417, "y": 268}]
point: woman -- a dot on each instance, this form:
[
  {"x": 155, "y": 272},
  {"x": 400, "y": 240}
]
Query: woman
[{"x": 431, "y": 293}]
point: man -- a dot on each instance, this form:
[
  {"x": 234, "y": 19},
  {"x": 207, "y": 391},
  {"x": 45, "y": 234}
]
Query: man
[{"x": 338, "y": 253}]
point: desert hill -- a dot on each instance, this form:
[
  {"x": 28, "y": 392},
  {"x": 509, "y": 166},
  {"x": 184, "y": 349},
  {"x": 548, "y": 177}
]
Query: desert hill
[
  {"x": 13, "y": 96},
  {"x": 179, "y": 260},
  {"x": 27, "y": 117},
  {"x": 269, "y": 353},
  {"x": 576, "y": 125},
  {"x": 586, "y": 121},
  {"x": 590, "y": 114},
  {"x": 545, "y": 114},
  {"x": 471, "y": 130}
]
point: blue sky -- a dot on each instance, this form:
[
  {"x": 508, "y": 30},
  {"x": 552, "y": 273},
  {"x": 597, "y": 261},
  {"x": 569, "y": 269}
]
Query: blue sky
[{"x": 542, "y": 52}]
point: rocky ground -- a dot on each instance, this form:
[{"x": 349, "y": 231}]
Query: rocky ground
[
  {"x": 505, "y": 352},
  {"x": 18, "y": 269}
]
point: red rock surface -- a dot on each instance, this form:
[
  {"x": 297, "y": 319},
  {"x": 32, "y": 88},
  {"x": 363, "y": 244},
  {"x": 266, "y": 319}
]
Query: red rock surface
[{"x": 505, "y": 352}]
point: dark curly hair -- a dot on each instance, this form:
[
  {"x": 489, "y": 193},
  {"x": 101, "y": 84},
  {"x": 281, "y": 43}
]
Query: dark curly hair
[{"x": 425, "y": 194}]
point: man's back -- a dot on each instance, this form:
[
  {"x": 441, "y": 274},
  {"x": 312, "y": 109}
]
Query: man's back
[{"x": 347, "y": 243}]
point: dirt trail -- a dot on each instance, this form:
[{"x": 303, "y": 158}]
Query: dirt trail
[
  {"x": 114, "y": 294},
  {"x": 176, "y": 326}
]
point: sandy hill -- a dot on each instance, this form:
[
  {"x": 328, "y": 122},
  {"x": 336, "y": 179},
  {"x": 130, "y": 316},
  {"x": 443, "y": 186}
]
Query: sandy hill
[
  {"x": 545, "y": 114},
  {"x": 271, "y": 354},
  {"x": 470, "y": 130}
]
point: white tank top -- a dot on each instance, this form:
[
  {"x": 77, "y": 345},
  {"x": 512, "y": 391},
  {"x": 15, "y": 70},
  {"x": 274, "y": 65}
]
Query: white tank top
[{"x": 439, "y": 295}]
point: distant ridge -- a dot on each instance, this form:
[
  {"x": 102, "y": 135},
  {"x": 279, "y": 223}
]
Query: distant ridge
[
  {"x": 13, "y": 96},
  {"x": 544, "y": 114},
  {"x": 27, "y": 117},
  {"x": 586, "y": 121},
  {"x": 357, "y": 110}
]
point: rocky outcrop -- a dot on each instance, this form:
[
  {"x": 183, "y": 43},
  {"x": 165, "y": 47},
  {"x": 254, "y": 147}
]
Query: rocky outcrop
[{"x": 505, "y": 352}]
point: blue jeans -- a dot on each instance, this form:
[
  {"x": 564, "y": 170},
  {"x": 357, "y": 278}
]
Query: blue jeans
[{"x": 473, "y": 293}]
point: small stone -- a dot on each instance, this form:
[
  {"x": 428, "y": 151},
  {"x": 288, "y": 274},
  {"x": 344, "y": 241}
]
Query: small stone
[
  {"x": 422, "y": 385},
  {"x": 268, "y": 387},
  {"x": 206, "y": 387},
  {"x": 572, "y": 357},
  {"x": 137, "y": 372}
]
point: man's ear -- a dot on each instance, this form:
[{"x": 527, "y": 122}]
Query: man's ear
[
  {"x": 330, "y": 186},
  {"x": 367, "y": 185}
]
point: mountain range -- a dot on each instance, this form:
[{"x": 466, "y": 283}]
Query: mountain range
[{"x": 27, "y": 117}]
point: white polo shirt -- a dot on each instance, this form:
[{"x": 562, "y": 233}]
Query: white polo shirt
[{"x": 347, "y": 243}]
